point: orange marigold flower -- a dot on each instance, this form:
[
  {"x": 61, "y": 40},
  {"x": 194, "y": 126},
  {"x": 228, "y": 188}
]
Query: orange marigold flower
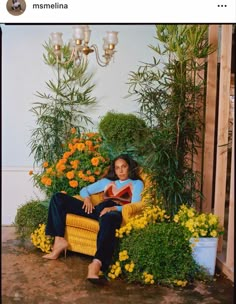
[
  {"x": 70, "y": 174},
  {"x": 60, "y": 167},
  {"x": 95, "y": 161},
  {"x": 88, "y": 172},
  {"x": 91, "y": 134},
  {"x": 73, "y": 183},
  {"x": 70, "y": 146},
  {"x": 67, "y": 154},
  {"x": 75, "y": 140},
  {"x": 45, "y": 164},
  {"x": 88, "y": 143},
  {"x": 49, "y": 170},
  {"x": 97, "y": 172},
  {"x": 31, "y": 172},
  {"x": 80, "y": 174},
  {"x": 80, "y": 146},
  {"x": 91, "y": 179},
  {"x": 74, "y": 164},
  {"x": 62, "y": 161},
  {"x": 46, "y": 181},
  {"x": 73, "y": 130}
]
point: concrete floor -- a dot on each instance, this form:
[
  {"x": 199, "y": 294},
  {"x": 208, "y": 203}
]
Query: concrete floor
[{"x": 27, "y": 278}]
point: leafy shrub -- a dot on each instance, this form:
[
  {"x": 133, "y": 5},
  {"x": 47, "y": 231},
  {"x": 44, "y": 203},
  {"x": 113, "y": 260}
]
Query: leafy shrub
[
  {"x": 123, "y": 133},
  {"x": 28, "y": 217},
  {"x": 159, "y": 253}
]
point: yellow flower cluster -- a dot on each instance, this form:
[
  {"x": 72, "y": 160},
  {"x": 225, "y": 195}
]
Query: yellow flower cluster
[
  {"x": 115, "y": 270},
  {"x": 130, "y": 267},
  {"x": 148, "y": 278},
  {"x": 123, "y": 255},
  {"x": 81, "y": 164},
  {"x": 198, "y": 224},
  {"x": 40, "y": 240},
  {"x": 180, "y": 283},
  {"x": 151, "y": 214}
]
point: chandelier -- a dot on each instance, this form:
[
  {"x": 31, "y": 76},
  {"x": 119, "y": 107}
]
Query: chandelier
[{"x": 79, "y": 46}]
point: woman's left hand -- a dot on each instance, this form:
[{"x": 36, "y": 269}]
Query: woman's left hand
[{"x": 107, "y": 210}]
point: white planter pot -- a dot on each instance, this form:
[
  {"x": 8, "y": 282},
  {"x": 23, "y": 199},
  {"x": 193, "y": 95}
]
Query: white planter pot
[{"x": 204, "y": 252}]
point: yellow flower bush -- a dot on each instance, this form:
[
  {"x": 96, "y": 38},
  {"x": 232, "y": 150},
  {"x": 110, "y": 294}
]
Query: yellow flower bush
[
  {"x": 150, "y": 215},
  {"x": 82, "y": 163},
  {"x": 198, "y": 224},
  {"x": 40, "y": 240},
  {"x": 154, "y": 248}
]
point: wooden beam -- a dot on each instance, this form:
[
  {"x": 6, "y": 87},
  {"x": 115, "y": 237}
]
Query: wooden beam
[
  {"x": 210, "y": 121},
  {"x": 223, "y": 124},
  {"x": 230, "y": 239}
]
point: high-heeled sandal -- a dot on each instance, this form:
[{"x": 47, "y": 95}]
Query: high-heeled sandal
[
  {"x": 98, "y": 281},
  {"x": 93, "y": 276},
  {"x": 56, "y": 252}
]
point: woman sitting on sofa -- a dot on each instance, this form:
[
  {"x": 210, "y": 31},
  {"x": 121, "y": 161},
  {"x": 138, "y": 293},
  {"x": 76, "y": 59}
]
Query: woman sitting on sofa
[{"x": 122, "y": 185}]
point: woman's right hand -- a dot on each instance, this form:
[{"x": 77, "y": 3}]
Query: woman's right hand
[{"x": 88, "y": 206}]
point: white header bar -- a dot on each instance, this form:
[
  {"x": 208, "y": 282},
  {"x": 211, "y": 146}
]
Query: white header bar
[{"x": 118, "y": 11}]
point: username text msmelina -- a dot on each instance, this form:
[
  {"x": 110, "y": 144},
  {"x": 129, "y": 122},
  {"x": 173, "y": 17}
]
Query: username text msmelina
[{"x": 56, "y": 5}]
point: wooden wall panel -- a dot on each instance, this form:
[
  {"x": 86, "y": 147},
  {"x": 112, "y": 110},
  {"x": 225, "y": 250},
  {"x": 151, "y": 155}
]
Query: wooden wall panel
[
  {"x": 210, "y": 110},
  {"x": 223, "y": 123}
]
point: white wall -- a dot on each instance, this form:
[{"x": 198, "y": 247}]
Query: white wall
[{"x": 24, "y": 73}]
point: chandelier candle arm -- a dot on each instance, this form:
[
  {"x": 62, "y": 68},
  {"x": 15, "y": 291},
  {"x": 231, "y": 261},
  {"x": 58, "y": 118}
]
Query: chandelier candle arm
[{"x": 79, "y": 46}]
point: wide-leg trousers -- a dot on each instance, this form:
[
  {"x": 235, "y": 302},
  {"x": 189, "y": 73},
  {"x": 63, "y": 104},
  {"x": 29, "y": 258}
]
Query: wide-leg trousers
[{"x": 61, "y": 204}]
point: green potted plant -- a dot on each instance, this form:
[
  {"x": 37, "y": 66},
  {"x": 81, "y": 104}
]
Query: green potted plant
[{"x": 203, "y": 230}]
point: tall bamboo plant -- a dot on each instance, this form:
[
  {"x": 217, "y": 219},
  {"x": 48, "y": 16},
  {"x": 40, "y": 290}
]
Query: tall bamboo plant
[
  {"x": 171, "y": 95},
  {"x": 63, "y": 108}
]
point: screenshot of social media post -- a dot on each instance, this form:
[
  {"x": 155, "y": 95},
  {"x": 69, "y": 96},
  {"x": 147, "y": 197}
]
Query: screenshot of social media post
[{"x": 117, "y": 151}]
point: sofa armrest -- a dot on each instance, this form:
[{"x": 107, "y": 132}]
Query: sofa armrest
[{"x": 130, "y": 210}]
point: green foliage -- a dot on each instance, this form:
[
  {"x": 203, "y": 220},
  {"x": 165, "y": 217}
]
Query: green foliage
[
  {"x": 171, "y": 95},
  {"x": 29, "y": 216},
  {"x": 162, "y": 251},
  {"x": 123, "y": 133},
  {"x": 63, "y": 108}
]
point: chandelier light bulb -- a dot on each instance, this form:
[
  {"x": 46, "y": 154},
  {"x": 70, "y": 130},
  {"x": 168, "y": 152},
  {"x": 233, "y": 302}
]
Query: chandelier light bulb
[
  {"x": 56, "y": 39},
  {"x": 112, "y": 38},
  {"x": 78, "y": 32}
]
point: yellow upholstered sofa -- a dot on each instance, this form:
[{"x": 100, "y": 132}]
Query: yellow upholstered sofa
[{"x": 81, "y": 232}]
